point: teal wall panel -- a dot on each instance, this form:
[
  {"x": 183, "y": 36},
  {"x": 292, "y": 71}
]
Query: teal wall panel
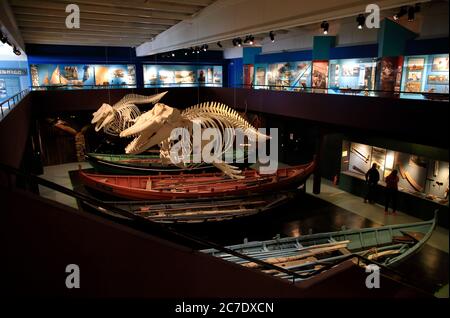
[
  {"x": 392, "y": 39},
  {"x": 322, "y": 46}
]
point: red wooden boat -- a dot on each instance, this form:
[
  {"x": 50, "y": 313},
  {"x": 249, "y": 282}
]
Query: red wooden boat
[{"x": 164, "y": 187}]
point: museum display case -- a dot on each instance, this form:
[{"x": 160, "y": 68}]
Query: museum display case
[
  {"x": 283, "y": 75},
  {"x": 182, "y": 75},
  {"x": 423, "y": 177},
  {"x": 352, "y": 75},
  {"x": 82, "y": 75},
  {"x": 425, "y": 74}
]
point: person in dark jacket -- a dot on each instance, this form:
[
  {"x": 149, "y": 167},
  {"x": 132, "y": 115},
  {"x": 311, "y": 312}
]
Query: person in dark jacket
[
  {"x": 391, "y": 191},
  {"x": 372, "y": 178}
]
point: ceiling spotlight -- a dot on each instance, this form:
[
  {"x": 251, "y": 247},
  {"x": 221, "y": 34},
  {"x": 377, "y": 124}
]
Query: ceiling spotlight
[
  {"x": 239, "y": 42},
  {"x": 401, "y": 13},
  {"x": 361, "y": 19},
  {"x": 272, "y": 36},
  {"x": 16, "y": 51},
  {"x": 3, "y": 38},
  {"x": 185, "y": 53},
  {"x": 219, "y": 44},
  {"x": 411, "y": 14},
  {"x": 249, "y": 39},
  {"x": 325, "y": 25},
  {"x": 204, "y": 47},
  {"x": 173, "y": 54}
]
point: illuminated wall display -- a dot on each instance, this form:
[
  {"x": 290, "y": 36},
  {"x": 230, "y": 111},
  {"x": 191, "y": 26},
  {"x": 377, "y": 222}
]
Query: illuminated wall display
[
  {"x": 420, "y": 176},
  {"x": 356, "y": 74},
  {"x": 426, "y": 73},
  {"x": 182, "y": 75},
  {"x": 79, "y": 75},
  {"x": 283, "y": 75}
]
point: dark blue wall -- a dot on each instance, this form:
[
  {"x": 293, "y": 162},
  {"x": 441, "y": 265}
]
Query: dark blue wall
[
  {"x": 354, "y": 52},
  {"x": 284, "y": 57},
  {"x": 429, "y": 46},
  {"x": 235, "y": 72}
]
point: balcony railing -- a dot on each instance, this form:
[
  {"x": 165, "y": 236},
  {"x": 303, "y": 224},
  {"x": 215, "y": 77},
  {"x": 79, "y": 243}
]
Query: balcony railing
[{"x": 12, "y": 101}]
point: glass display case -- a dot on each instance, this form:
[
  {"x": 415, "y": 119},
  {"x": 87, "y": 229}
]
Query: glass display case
[
  {"x": 182, "y": 75},
  {"x": 419, "y": 176},
  {"x": 426, "y": 74},
  {"x": 283, "y": 75},
  {"x": 82, "y": 75},
  {"x": 352, "y": 75}
]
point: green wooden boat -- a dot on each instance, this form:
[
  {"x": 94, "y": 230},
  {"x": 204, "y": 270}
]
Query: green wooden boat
[
  {"x": 145, "y": 164},
  {"x": 307, "y": 254},
  {"x": 137, "y": 164},
  {"x": 201, "y": 210}
]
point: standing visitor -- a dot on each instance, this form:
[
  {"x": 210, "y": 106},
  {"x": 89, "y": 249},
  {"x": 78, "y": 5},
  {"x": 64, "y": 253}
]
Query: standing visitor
[
  {"x": 391, "y": 192},
  {"x": 372, "y": 178}
]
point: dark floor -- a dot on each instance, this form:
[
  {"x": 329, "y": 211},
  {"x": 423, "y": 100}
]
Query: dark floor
[{"x": 427, "y": 269}]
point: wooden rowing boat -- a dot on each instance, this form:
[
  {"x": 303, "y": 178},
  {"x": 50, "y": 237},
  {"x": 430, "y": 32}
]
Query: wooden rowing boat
[
  {"x": 201, "y": 210},
  {"x": 185, "y": 186},
  {"x": 388, "y": 245}
]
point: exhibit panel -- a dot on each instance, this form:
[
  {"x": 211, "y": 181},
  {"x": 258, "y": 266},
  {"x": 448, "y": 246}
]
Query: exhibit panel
[
  {"x": 283, "y": 75},
  {"x": 82, "y": 75},
  {"x": 354, "y": 75},
  {"x": 13, "y": 78},
  {"x": 420, "y": 176},
  {"x": 426, "y": 74},
  {"x": 182, "y": 75}
]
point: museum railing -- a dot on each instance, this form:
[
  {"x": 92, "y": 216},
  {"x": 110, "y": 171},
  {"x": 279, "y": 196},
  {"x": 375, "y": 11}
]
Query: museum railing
[
  {"x": 30, "y": 182},
  {"x": 354, "y": 91},
  {"x": 79, "y": 87},
  {"x": 12, "y": 101}
]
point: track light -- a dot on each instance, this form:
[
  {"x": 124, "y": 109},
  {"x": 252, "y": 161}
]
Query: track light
[
  {"x": 325, "y": 25},
  {"x": 173, "y": 54},
  {"x": 219, "y": 44},
  {"x": 361, "y": 19},
  {"x": 16, "y": 51},
  {"x": 411, "y": 14},
  {"x": 272, "y": 36},
  {"x": 237, "y": 42},
  {"x": 3, "y": 38},
  {"x": 249, "y": 39},
  {"x": 400, "y": 13},
  {"x": 204, "y": 47}
]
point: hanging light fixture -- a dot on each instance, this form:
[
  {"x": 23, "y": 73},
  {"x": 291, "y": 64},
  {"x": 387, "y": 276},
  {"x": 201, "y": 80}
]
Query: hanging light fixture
[
  {"x": 360, "y": 20},
  {"x": 400, "y": 13},
  {"x": 325, "y": 26},
  {"x": 219, "y": 44},
  {"x": 272, "y": 36}
]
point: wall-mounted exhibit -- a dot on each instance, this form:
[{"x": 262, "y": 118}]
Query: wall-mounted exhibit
[
  {"x": 354, "y": 74},
  {"x": 82, "y": 75},
  {"x": 426, "y": 73},
  {"x": 182, "y": 75},
  {"x": 283, "y": 75},
  {"x": 419, "y": 176}
]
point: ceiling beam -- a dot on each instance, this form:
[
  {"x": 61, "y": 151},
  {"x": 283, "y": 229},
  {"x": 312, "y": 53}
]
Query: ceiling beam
[
  {"x": 202, "y": 3},
  {"x": 91, "y": 16},
  {"x": 9, "y": 26},
  {"x": 98, "y": 30},
  {"x": 32, "y": 38},
  {"x": 89, "y": 24},
  {"x": 141, "y": 5},
  {"x": 227, "y": 19},
  {"x": 87, "y": 8},
  {"x": 78, "y": 42},
  {"x": 99, "y": 35}
]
